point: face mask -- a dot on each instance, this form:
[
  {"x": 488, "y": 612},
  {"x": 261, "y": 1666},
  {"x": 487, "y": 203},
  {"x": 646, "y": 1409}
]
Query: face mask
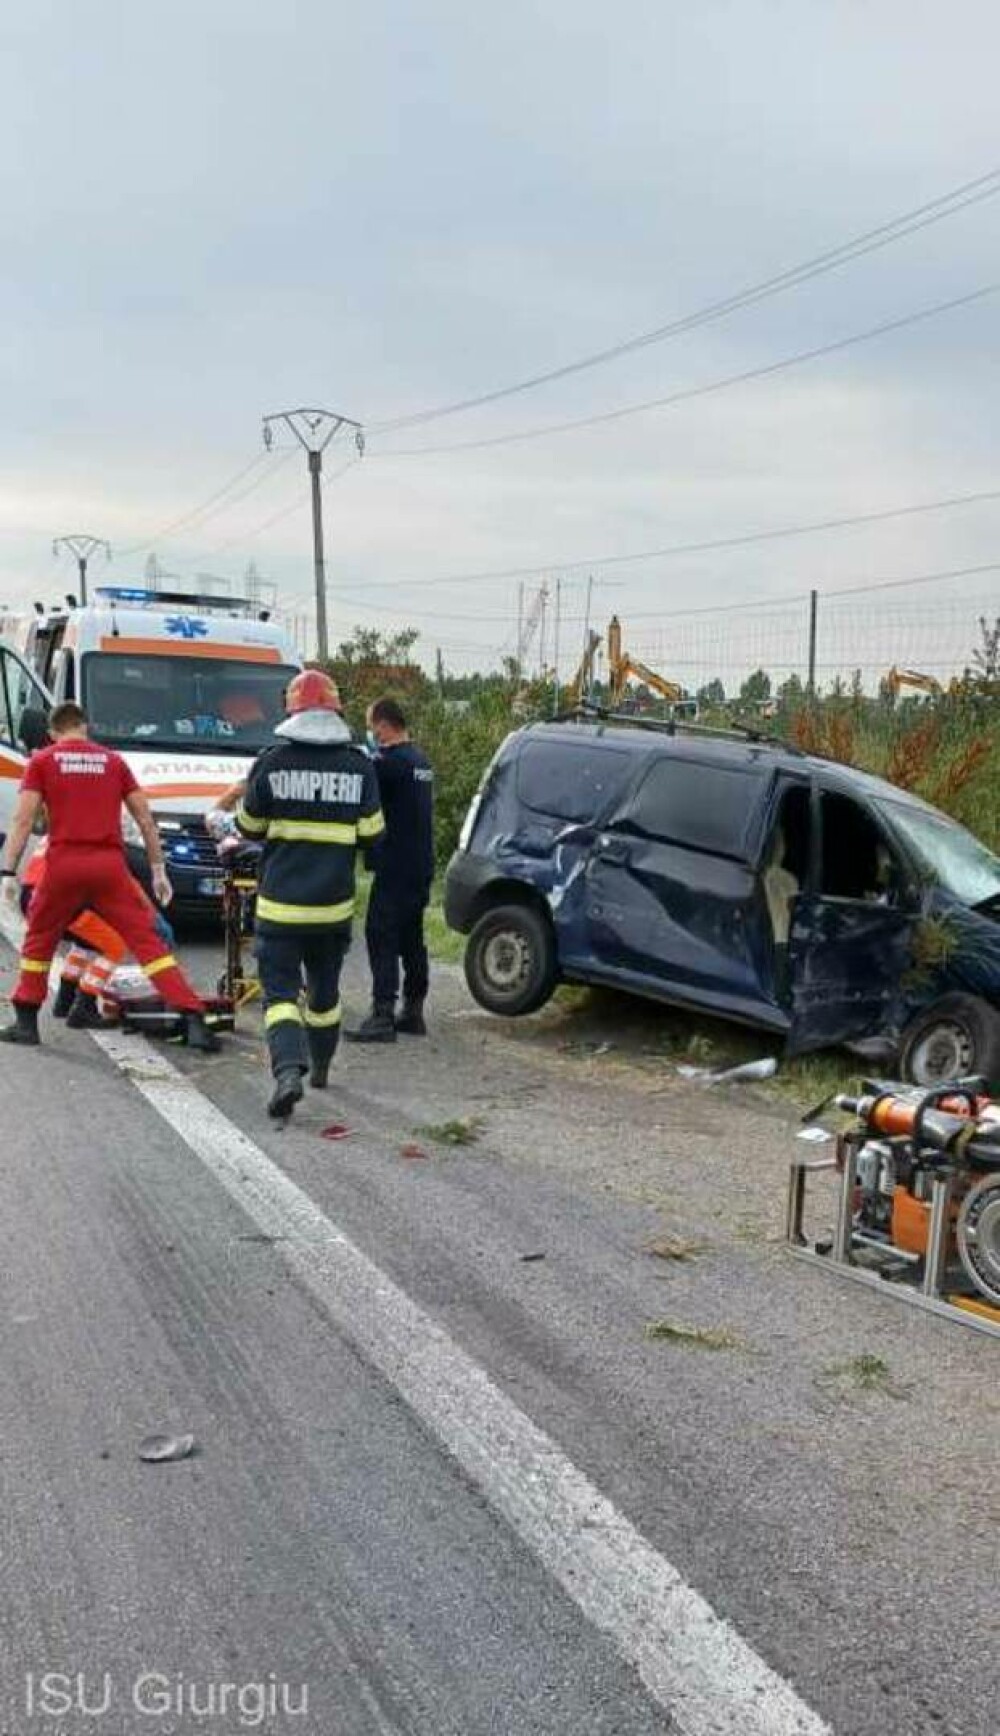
[{"x": 371, "y": 740}]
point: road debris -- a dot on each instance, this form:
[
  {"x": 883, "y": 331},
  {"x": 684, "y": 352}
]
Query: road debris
[
  {"x": 860, "y": 1374},
  {"x": 336, "y": 1130},
  {"x": 699, "y": 1337},
  {"x": 670, "y": 1247},
  {"x": 413, "y": 1151},
  {"x": 527, "y": 1259},
  {"x": 165, "y": 1449},
  {"x": 765, "y": 1068},
  {"x": 463, "y": 1130}
]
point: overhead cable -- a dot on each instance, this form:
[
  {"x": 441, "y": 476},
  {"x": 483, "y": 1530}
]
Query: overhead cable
[{"x": 907, "y": 223}]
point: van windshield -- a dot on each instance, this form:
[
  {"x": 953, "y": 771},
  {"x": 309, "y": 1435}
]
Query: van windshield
[
  {"x": 172, "y": 702},
  {"x": 950, "y": 856}
]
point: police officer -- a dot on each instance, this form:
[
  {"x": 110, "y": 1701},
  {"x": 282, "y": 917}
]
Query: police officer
[
  {"x": 403, "y": 861},
  {"x": 312, "y": 800}
]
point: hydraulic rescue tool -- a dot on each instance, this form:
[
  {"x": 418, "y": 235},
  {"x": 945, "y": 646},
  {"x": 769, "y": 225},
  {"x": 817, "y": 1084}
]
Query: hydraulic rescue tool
[{"x": 918, "y": 1205}]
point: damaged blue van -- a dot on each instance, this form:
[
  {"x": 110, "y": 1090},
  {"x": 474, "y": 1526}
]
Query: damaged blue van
[{"x": 733, "y": 875}]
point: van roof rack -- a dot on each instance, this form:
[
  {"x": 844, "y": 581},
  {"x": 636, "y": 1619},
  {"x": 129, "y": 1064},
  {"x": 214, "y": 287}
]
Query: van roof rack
[{"x": 675, "y": 726}]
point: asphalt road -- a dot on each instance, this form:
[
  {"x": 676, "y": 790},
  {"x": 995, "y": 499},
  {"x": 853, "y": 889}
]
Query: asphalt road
[{"x": 443, "y": 1480}]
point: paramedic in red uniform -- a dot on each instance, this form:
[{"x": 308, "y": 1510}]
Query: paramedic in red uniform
[{"x": 82, "y": 787}]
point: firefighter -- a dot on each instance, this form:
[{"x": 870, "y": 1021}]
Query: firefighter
[
  {"x": 311, "y": 800},
  {"x": 403, "y": 861},
  {"x": 82, "y": 786}
]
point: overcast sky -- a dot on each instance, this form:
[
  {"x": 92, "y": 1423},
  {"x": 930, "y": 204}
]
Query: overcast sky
[{"x": 216, "y": 209}]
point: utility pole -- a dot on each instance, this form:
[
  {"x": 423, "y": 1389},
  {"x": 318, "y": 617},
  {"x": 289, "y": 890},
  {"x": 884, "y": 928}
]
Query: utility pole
[
  {"x": 811, "y": 676},
  {"x": 314, "y": 429},
  {"x": 555, "y": 649},
  {"x": 81, "y": 548}
]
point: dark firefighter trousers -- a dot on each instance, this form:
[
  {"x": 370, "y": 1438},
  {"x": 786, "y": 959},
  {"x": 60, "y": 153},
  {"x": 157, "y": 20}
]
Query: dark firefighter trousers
[
  {"x": 290, "y": 958},
  {"x": 394, "y": 931}
]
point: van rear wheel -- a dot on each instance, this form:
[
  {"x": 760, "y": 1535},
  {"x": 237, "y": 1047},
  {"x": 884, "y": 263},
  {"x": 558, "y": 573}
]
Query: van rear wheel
[
  {"x": 510, "y": 961},
  {"x": 956, "y": 1036}
]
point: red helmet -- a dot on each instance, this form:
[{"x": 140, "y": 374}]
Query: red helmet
[{"x": 312, "y": 691}]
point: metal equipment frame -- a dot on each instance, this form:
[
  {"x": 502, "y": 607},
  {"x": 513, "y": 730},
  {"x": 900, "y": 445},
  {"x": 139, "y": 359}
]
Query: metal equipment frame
[{"x": 927, "y": 1291}]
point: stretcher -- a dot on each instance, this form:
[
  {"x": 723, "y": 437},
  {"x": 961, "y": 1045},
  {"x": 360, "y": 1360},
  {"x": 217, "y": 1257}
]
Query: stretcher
[{"x": 136, "y": 1003}]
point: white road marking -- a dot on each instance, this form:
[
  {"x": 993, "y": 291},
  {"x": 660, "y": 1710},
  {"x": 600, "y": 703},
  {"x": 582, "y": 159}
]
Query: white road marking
[{"x": 693, "y": 1663}]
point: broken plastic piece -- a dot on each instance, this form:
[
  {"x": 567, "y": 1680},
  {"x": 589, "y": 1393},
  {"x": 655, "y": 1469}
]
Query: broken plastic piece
[{"x": 164, "y": 1449}]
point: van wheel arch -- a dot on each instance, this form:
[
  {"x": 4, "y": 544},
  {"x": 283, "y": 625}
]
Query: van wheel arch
[
  {"x": 511, "y": 959},
  {"x": 954, "y": 1035}
]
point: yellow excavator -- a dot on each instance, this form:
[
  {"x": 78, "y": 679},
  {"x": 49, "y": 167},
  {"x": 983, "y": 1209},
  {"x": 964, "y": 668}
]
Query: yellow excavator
[
  {"x": 579, "y": 687},
  {"x": 622, "y": 667},
  {"x": 896, "y": 679}
]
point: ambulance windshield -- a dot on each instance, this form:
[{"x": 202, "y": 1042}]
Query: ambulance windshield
[{"x": 136, "y": 701}]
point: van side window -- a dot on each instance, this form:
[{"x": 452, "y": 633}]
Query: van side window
[
  {"x": 690, "y": 802},
  {"x": 570, "y": 782},
  {"x": 855, "y": 861}
]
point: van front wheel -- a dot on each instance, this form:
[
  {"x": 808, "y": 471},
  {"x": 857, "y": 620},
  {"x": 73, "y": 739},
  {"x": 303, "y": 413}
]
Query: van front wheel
[
  {"x": 954, "y": 1037},
  {"x": 510, "y": 961}
]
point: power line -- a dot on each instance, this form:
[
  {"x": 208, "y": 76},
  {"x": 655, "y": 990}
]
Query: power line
[
  {"x": 690, "y": 392},
  {"x": 283, "y": 512},
  {"x": 946, "y": 205},
  {"x": 744, "y": 539},
  {"x": 775, "y": 601},
  {"x": 198, "y": 511}
]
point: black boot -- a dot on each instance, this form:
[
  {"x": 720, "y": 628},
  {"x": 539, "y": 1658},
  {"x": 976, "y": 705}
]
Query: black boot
[
  {"x": 287, "y": 1092},
  {"x": 24, "y": 1030},
  {"x": 85, "y": 1014},
  {"x": 65, "y": 996},
  {"x": 200, "y": 1035},
  {"x": 411, "y": 1019},
  {"x": 322, "y": 1048},
  {"x": 379, "y": 1027}
]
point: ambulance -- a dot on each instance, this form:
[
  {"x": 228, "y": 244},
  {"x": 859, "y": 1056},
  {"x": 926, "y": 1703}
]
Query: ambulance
[
  {"x": 22, "y": 699},
  {"x": 189, "y": 689}
]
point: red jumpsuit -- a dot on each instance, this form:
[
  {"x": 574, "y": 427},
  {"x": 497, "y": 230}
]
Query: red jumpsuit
[{"x": 83, "y": 786}]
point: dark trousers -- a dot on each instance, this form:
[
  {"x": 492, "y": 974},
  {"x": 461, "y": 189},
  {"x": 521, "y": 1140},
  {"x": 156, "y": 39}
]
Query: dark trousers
[
  {"x": 394, "y": 930},
  {"x": 288, "y": 959}
]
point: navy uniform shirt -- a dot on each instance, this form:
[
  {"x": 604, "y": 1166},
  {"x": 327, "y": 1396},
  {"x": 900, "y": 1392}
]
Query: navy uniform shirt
[{"x": 403, "y": 858}]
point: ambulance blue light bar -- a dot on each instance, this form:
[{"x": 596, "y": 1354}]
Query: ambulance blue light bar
[{"x": 186, "y": 600}]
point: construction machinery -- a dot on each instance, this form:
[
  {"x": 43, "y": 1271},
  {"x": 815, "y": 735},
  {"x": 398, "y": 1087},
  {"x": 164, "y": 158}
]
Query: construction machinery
[
  {"x": 917, "y": 1204},
  {"x": 579, "y": 687},
  {"x": 622, "y": 667},
  {"x": 898, "y": 679}
]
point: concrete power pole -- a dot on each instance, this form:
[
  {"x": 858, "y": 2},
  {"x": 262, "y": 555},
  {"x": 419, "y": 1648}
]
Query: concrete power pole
[
  {"x": 314, "y": 429},
  {"x": 81, "y": 548}
]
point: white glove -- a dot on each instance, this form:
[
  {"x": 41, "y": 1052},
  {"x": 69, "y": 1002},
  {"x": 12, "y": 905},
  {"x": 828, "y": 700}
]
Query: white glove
[
  {"x": 218, "y": 823},
  {"x": 163, "y": 892},
  {"x": 10, "y": 894}
]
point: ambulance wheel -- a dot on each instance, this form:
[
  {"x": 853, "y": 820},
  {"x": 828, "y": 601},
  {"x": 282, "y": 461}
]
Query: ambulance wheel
[
  {"x": 977, "y": 1234},
  {"x": 510, "y": 961},
  {"x": 956, "y": 1037}
]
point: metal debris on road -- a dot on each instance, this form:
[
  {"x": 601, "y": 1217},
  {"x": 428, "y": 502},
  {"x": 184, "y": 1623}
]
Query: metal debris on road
[
  {"x": 165, "y": 1449},
  {"x": 762, "y": 1069}
]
